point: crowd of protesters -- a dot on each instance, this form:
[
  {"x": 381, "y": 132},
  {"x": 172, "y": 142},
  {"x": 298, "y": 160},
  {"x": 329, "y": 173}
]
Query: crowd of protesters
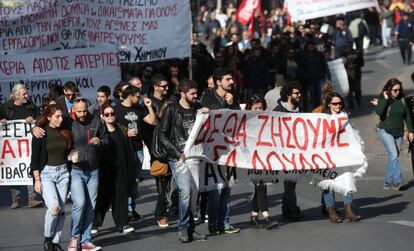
[{"x": 273, "y": 65}]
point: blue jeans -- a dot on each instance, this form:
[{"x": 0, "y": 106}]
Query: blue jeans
[
  {"x": 187, "y": 192},
  {"x": 55, "y": 185},
  {"x": 219, "y": 207},
  {"x": 393, "y": 147},
  {"x": 138, "y": 159},
  {"x": 84, "y": 188},
  {"x": 329, "y": 199}
]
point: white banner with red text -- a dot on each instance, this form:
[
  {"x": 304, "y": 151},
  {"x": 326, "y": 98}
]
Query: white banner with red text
[
  {"x": 143, "y": 30},
  {"x": 272, "y": 145},
  {"x": 88, "y": 68},
  {"x": 15, "y": 153},
  {"x": 309, "y": 9}
]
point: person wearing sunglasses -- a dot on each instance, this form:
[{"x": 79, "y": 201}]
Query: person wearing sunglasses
[
  {"x": 65, "y": 102},
  {"x": 334, "y": 104},
  {"x": 393, "y": 112},
  {"x": 116, "y": 176},
  {"x": 290, "y": 99}
]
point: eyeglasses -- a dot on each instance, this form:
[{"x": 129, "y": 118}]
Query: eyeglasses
[
  {"x": 163, "y": 86},
  {"x": 256, "y": 98},
  {"x": 109, "y": 114},
  {"x": 69, "y": 95},
  {"x": 396, "y": 90},
  {"x": 336, "y": 103}
]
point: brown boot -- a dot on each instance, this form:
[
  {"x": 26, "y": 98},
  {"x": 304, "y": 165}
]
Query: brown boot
[
  {"x": 35, "y": 203},
  {"x": 333, "y": 215},
  {"x": 349, "y": 215},
  {"x": 15, "y": 204}
]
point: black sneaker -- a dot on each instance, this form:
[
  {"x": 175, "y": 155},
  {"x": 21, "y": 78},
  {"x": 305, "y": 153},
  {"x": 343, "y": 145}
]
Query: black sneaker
[
  {"x": 126, "y": 229},
  {"x": 213, "y": 230},
  {"x": 183, "y": 236},
  {"x": 198, "y": 237},
  {"x": 269, "y": 224},
  {"x": 254, "y": 221},
  {"x": 134, "y": 216},
  {"x": 57, "y": 247},
  {"x": 47, "y": 246}
]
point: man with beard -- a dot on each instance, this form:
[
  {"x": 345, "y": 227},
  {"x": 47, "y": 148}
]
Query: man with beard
[
  {"x": 102, "y": 98},
  {"x": 88, "y": 137},
  {"x": 20, "y": 107},
  {"x": 175, "y": 126},
  {"x": 289, "y": 102},
  {"x": 131, "y": 115},
  {"x": 219, "y": 199}
]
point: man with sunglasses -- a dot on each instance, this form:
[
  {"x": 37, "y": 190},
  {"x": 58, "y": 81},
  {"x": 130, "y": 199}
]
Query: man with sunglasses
[
  {"x": 133, "y": 116},
  {"x": 66, "y": 102},
  {"x": 290, "y": 98},
  {"x": 158, "y": 98}
]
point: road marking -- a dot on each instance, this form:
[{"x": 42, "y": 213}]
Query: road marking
[{"x": 403, "y": 222}]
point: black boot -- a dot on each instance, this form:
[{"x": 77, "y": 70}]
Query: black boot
[{"x": 47, "y": 245}]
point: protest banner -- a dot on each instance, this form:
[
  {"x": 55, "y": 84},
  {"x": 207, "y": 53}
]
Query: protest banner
[
  {"x": 15, "y": 153},
  {"x": 309, "y": 9},
  {"x": 339, "y": 76},
  {"x": 143, "y": 30},
  {"x": 88, "y": 68},
  {"x": 288, "y": 144}
]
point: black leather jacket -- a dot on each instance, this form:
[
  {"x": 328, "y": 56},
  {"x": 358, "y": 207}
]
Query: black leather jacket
[{"x": 171, "y": 131}]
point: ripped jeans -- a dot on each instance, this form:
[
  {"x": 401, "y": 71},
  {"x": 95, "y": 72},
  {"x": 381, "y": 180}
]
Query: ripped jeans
[{"x": 55, "y": 183}]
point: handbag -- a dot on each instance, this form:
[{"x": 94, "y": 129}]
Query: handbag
[{"x": 158, "y": 168}]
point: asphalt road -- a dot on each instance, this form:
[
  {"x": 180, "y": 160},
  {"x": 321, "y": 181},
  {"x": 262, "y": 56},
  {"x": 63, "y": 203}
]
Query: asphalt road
[{"x": 388, "y": 222}]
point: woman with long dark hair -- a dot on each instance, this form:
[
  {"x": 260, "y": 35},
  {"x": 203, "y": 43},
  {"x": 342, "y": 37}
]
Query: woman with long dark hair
[
  {"x": 334, "y": 104},
  {"x": 50, "y": 172},
  {"x": 117, "y": 177},
  {"x": 392, "y": 112}
]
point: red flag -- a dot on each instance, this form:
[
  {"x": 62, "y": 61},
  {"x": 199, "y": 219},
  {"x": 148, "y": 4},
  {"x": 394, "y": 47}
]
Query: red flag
[{"x": 245, "y": 12}]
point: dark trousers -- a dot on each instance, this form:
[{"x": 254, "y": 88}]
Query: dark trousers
[
  {"x": 259, "y": 202},
  {"x": 405, "y": 49},
  {"x": 354, "y": 92},
  {"x": 203, "y": 204},
  {"x": 112, "y": 193},
  {"x": 162, "y": 183},
  {"x": 289, "y": 201}
]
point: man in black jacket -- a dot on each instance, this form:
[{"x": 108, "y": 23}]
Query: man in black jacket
[
  {"x": 175, "y": 126},
  {"x": 20, "y": 107},
  {"x": 290, "y": 102},
  {"x": 219, "y": 200}
]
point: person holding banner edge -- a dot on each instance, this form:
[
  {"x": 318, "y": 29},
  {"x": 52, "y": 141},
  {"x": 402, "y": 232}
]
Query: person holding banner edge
[
  {"x": 50, "y": 172},
  {"x": 174, "y": 128},
  {"x": 290, "y": 98},
  {"x": 20, "y": 107},
  {"x": 219, "y": 199},
  {"x": 259, "y": 201},
  {"x": 334, "y": 104}
]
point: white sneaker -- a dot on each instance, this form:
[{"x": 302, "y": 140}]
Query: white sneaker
[
  {"x": 94, "y": 231},
  {"x": 127, "y": 229}
]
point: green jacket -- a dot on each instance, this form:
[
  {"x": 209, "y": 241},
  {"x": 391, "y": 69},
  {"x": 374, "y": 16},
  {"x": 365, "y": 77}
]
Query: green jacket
[{"x": 392, "y": 113}]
